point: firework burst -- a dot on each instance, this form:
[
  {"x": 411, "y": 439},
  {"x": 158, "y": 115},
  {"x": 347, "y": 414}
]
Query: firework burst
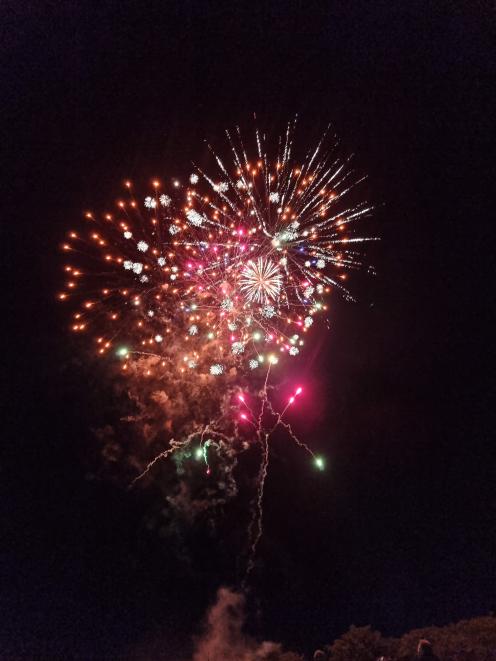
[
  {"x": 261, "y": 281},
  {"x": 240, "y": 263},
  {"x": 216, "y": 279}
]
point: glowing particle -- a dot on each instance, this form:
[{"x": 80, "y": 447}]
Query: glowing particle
[
  {"x": 308, "y": 322},
  {"x": 158, "y": 338},
  {"x": 308, "y": 292},
  {"x": 150, "y": 202},
  {"x": 128, "y": 265},
  {"x": 227, "y": 305},
  {"x": 142, "y": 246},
  {"x": 128, "y": 235},
  {"x": 137, "y": 267},
  {"x": 274, "y": 197},
  {"x": 222, "y": 187},
  {"x": 268, "y": 311},
  {"x": 320, "y": 289},
  {"x": 193, "y": 329},
  {"x": 232, "y": 326},
  {"x": 195, "y": 218},
  {"x": 216, "y": 369},
  {"x": 193, "y": 178},
  {"x": 237, "y": 348},
  {"x": 150, "y": 313},
  {"x": 165, "y": 200},
  {"x": 161, "y": 261},
  {"x": 144, "y": 278},
  {"x": 122, "y": 352},
  {"x": 319, "y": 463},
  {"x": 294, "y": 351},
  {"x": 273, "y": 360},
  {"x": 199, "y": 453},
  {"x": 173, "y": 229},
  {"x": 321, "y": 263},
  {"x": 253, "y": 364}
]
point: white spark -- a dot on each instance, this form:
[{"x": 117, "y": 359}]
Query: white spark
[
  {"x": 173, "y": 229},
  {"x": 274, "y": 197},
  {"x": 165, "y": 200},
  {"x": 150, "y": 202},
  {"x": 142, "y": 246},
  {"x": 237, "y": 348},
  {"x": 193, "y": 329},
  {"x": 227, "y": 305},
  {"x": 193, "y": 178},
  {"x": 222, "y": 187},
  {"x": 158, "y": 338},
  {"x": 308, "y": 292},
  {"x": 128, "y": 265},
  {"x": 137, "y": 268},
  {"x": 268, "y": 311},
  {"x": 216, "y": 369},
  {"x": 195, "y": 218},
  {"x": 128, "y": 235},
  {"x": 161, "y": 261}
]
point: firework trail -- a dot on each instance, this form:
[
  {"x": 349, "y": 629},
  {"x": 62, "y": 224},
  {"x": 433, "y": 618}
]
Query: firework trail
[{"x": 201, "y": 287}]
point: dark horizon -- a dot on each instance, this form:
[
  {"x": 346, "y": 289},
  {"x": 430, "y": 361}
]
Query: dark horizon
[{"x": 398, "y": 532}]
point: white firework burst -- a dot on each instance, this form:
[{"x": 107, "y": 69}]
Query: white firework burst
[{"x": 261, "y": 281}]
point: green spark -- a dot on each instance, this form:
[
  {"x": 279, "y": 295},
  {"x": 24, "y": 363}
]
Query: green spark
[{"x": 319, "y": 463}]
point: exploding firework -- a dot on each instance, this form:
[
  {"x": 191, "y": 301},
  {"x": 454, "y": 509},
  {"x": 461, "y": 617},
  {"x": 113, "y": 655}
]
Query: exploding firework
[
  {"x": 239, "y": 264},
  {"x": 219, "y": 277}
]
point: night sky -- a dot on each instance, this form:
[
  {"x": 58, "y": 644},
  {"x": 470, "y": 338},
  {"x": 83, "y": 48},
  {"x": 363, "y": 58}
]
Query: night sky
[{"x": 398, "y": 532}]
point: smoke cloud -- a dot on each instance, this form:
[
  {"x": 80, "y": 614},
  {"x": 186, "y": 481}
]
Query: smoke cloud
[{"x": 224, "y": 637}]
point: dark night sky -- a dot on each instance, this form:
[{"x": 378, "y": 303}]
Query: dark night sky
[{"x": 399, "y": 531}]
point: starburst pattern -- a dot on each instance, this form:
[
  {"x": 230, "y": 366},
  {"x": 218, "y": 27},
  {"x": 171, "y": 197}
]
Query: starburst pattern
[{"x": 261, "y": 281}]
